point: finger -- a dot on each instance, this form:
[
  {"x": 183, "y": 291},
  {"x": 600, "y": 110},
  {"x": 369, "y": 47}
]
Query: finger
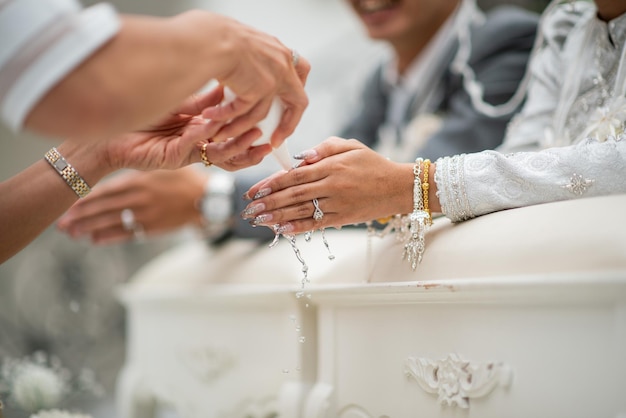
[
  {"x": 195, "y": 104},
  {"x": 302, "y": 210},
  {"x": 295, "y": 104},
  {"x": 101, "y": 211},
  {"x": 111, "y": 236},
  {"x": 303, "y": 68},
  {"x": 244, "y": 123},
  {"x": 297, "y": 183},
  {"x": 234, "y": 146},
  {"x": 252, "y": 156},
  {"x": 304, "y": 225},
  {"x": 199, "y": 130},
  {"x": 106, "y": 196},
  {"x": 228, "y": 111},
  {"x": 252, "y": 192},
  {"x": 93, "y": 224}
]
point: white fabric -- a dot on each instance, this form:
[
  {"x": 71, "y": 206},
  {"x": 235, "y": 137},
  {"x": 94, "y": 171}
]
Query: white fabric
[
  {"x": 41, "y": 41},
  {"x": 476, "y": 184}
]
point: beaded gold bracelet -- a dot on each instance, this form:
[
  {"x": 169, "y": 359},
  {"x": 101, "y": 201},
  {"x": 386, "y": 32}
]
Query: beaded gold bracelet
[
  {"x": 425, "y": 188},
  {"x": 69, "y": 174}
]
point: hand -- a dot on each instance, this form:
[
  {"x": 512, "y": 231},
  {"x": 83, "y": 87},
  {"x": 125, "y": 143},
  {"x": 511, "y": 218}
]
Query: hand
[
  {"x": 258, "y": 67},
  {"x": 161, "y": 201},
  {"x": 176, "y": 140},
  {"x": 353, "y": 184}
]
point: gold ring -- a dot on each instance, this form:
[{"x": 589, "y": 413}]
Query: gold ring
[{"x": 203, "y": 156}]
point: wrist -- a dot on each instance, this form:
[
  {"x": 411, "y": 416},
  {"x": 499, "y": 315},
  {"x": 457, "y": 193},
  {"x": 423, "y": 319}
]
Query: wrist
[
  {"x": 90, "y": 164},
  {"x": 217, "y": 205}
]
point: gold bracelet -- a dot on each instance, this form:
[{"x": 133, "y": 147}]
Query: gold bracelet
[
  {"x": 425, "y": 187},
  {"x": 69, "y": 174}
]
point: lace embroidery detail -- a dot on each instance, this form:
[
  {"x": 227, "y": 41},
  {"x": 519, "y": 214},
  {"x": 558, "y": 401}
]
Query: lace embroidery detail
[
  {"x": 450, "y": 179},
  {"x": 578, "y": 184}
]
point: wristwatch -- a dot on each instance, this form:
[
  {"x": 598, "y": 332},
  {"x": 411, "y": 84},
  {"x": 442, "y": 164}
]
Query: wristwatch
[{"x": 216, "y": 205}]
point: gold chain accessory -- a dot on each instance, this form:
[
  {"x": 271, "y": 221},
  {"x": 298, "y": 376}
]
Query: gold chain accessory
[{"x": 425, "y": 187}]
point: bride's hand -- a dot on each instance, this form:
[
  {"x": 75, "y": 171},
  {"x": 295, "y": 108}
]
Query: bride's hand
[{"x": 352, "y": 183}]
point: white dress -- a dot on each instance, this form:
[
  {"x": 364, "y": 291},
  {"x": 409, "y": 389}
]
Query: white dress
[
  {"x": 569, "y": 140},
  {"x": 41, "y": 41}
]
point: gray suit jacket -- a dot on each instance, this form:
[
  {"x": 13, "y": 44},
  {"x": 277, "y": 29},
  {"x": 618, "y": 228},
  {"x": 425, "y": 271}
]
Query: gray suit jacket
[{"x": 500, "y": 51}]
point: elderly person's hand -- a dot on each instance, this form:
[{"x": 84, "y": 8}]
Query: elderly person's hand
[
  {"x": 351, "y": 182},
  {"x": 257, "y": 68},
  {"x": 177, "y": 140}
]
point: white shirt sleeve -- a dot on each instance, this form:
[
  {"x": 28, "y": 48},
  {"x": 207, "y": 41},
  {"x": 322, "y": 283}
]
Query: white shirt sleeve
[{"x": 41, "y": 41}]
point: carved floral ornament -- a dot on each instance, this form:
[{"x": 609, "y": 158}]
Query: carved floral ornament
[{"x": 456, "y": 381}]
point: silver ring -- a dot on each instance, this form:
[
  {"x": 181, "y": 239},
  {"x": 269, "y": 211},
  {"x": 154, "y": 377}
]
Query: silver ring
[
  {"x": 295, "y": 57},
  {"x": 128, "y": 219},
  {"x": 318, "y": 214},
  {"x": 130, "y": 224}
]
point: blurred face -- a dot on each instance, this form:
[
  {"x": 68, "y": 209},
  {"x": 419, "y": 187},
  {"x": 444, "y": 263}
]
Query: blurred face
[{"x": 402, "y": 20}]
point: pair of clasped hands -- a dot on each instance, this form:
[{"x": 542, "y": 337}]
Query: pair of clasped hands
[{"x": 332, "y": 173}]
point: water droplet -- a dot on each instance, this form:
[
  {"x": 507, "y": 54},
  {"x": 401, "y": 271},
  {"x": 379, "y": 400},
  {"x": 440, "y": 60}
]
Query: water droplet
[
  {"x": 292, "y": 318},
  {"x": 285, "y": 371},
  {"x": 302, "y": 339},
  {"x": 298, "y": 368},
  {"x": 299, "y": 294},
  {"x": 306, "y": 306},
  {"x": 298, "y": 328},
  {"x": 309, "y": 296}
]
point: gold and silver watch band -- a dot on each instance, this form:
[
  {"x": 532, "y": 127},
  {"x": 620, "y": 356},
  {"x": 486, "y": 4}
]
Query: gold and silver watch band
[{"x": 69, "y": 174}]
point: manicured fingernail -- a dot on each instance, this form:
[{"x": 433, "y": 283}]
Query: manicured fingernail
[
  {"x": 306, "y": 155},
  {"x": 261, "y": 219},
  {"x": 284, "y": 228},
  {"x": 252, "y": 210},
  {"x": 262, "y": 193}
]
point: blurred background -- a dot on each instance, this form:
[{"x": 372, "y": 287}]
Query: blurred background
[{"x": 58, "y": 295}]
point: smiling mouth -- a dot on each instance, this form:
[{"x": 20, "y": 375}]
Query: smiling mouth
[{"x": 373, "y": 6}]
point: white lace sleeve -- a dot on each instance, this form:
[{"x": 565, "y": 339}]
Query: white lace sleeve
[
  {"x": 475, "y": 184},
  {"x": 41, "y": 41}
]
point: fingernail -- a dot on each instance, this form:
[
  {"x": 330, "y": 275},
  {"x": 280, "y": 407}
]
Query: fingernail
[
  {"x": 306, "y": 155},
  {"x": 252, "y": 210},
  {"x": 261, "y": 219},
  {"x": 262, "y": 193},
  {"x": 284, "y": 228}
]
